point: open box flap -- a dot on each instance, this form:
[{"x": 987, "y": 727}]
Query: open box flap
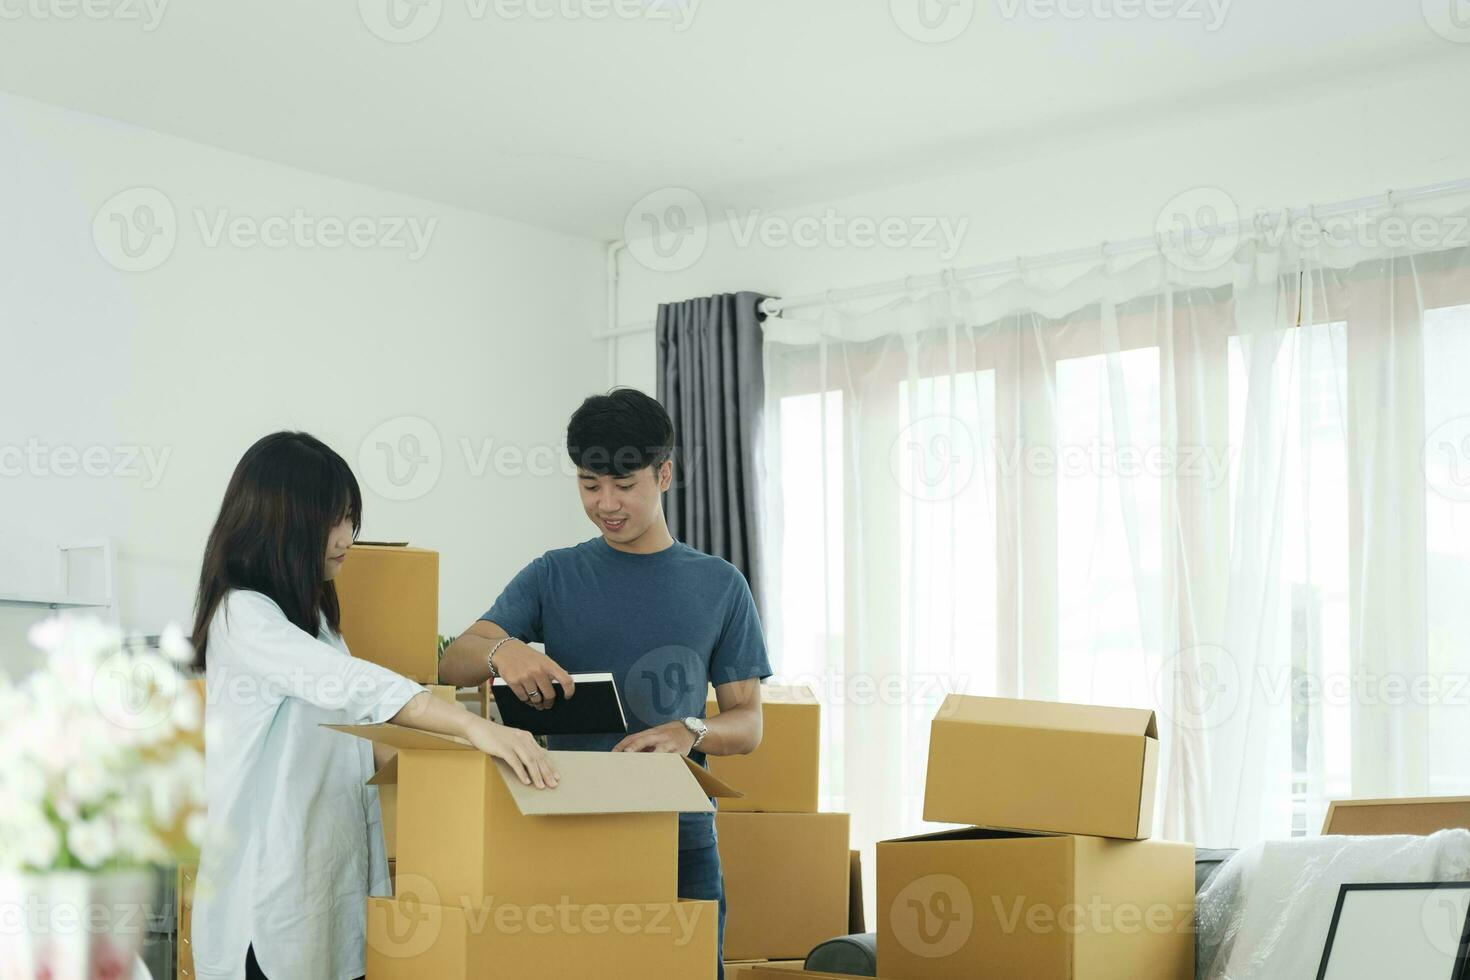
[
  {"x": 1089, "y": 718},
  {"x": 388, "y": 775},
  {"x": 612, "y": 782}
]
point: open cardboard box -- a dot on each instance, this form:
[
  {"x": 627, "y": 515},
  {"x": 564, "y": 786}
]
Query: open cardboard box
[
  {"x": 1038, "y": 765},
  {"x": 389, "y": 597},
  {"x": 1419, "y": 816},
  {"x": 782, "y": 774},
  {"x": 469, "y": 829},
  {"x": 968, "y": 903},
  {"x": 743, "y": 969},
  {"x": 786, "y": 882},
  {"x": 386, "y": 780},
  {"x": 408, "y": 940}
]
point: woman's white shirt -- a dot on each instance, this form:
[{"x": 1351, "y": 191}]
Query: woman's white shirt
[{"x": 295, "y": 843}]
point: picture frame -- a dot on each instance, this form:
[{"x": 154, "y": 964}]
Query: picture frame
[{"x": 1408, "y": 930}]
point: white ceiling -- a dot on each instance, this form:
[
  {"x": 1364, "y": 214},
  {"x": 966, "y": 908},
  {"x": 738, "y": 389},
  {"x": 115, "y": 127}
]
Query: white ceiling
[{"x": 565, "y": 122}]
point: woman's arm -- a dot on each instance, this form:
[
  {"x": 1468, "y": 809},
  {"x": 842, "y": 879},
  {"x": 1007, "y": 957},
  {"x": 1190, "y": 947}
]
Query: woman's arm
[{"x": 519, "y": 749}]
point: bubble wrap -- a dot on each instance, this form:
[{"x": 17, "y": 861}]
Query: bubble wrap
[{"x": 1265, "y": 914}]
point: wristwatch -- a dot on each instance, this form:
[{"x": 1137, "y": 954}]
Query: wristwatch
[{"x": 698, "y": 728}]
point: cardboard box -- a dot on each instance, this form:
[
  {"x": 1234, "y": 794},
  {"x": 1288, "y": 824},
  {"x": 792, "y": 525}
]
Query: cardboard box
[
  {"x": 668, "y": 941},
  {"x": 780, "y": 971},
  {"x": 782, "y": 774},
  {"x": 786, "y": 882},
  {"x": 468, "y": 829},
  {"x": 389, "y": 595},
  {"x": 1420, "y": 816},
  {"x": 856, "y": 920},
  {"x": 386, "y": 780},
  {"x": 1037, "y": 765},
  {"x": 975, "y": 902},
  {"x": 742, "y": 969}
]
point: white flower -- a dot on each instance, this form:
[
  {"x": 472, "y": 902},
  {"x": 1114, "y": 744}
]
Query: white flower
[
  {"x": 88, "y": 783},
  {"x": 194, "y": 827},
  {"x": 37, "y": 843},
  {"x": 92, "y": 842},
  {"x": 175, "y": 646},
  {"x": 48, "y": 634}
]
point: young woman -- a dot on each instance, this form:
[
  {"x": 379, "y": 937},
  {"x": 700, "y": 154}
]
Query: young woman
[{"x": 294, "y": 844}]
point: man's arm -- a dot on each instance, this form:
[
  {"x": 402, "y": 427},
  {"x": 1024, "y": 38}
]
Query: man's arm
[
  {"x": 466, "y": 664},
  {"x": 736, "y": 730}
]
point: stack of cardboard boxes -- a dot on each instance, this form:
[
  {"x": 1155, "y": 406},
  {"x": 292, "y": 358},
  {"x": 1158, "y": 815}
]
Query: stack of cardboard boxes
[
  {"x": 1054, "y": 878},
  {"x": 787, "y": 867},
  {"x": 495, "y": 878}
]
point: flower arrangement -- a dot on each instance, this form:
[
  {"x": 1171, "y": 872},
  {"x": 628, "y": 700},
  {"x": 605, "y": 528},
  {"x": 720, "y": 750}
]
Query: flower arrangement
[{"x": 101, "y": 753}]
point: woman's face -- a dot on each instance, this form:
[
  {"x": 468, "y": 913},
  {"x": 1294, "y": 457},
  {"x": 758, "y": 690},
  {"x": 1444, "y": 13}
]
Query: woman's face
[{"x": 337, "y": 544}]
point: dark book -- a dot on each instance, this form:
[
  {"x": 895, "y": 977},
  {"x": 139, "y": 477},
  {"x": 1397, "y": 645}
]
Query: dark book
[{"x": 595, "y": 709}]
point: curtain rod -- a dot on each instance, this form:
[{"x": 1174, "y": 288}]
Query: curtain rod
[{"x": 777, "y": 306}]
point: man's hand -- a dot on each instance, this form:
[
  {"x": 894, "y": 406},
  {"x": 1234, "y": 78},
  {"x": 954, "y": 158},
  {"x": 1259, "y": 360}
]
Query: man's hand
[
  {"x": 530, "y": 674},
  {"x": 672, "y": 737}
]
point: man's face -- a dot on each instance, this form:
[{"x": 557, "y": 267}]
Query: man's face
[{"x": 624, "y": 507}]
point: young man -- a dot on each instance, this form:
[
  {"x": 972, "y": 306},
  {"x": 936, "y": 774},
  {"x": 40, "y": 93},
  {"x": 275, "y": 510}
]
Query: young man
[{"x": 665, "y": 620}]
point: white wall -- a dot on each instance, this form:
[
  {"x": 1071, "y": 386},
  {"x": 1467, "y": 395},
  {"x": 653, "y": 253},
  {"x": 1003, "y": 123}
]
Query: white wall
[
  {"x": 485, "y": 336},
  {"x": 1390, "y": 129}
]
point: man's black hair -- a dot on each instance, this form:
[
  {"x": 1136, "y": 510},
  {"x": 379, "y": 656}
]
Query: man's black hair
[{"x": 620, "y": 433}]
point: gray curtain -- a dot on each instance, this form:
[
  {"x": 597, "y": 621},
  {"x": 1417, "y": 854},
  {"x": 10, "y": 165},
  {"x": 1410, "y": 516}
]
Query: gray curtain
[{"x": 711, "y": 381}]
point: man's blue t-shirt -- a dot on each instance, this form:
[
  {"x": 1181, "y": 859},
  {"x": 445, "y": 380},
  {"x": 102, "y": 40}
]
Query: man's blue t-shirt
[{"x": 665, "y": 625}]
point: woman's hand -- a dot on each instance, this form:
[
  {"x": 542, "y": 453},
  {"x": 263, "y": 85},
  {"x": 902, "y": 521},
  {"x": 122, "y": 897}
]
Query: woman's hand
[{"x": 518, "y": 748}]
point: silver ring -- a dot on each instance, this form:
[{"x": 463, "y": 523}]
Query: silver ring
[{"x": 534, "y": 696}]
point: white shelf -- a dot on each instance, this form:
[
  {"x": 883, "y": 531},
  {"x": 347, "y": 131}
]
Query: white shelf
[{"x": 54, "y": 601}]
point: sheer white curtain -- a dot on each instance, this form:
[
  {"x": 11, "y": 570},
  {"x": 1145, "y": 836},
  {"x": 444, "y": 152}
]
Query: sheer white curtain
[{"x": 1237, "y": 496}]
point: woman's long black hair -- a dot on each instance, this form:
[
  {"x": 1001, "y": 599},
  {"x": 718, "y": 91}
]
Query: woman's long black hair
[{"x": 287, "y": 493}]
